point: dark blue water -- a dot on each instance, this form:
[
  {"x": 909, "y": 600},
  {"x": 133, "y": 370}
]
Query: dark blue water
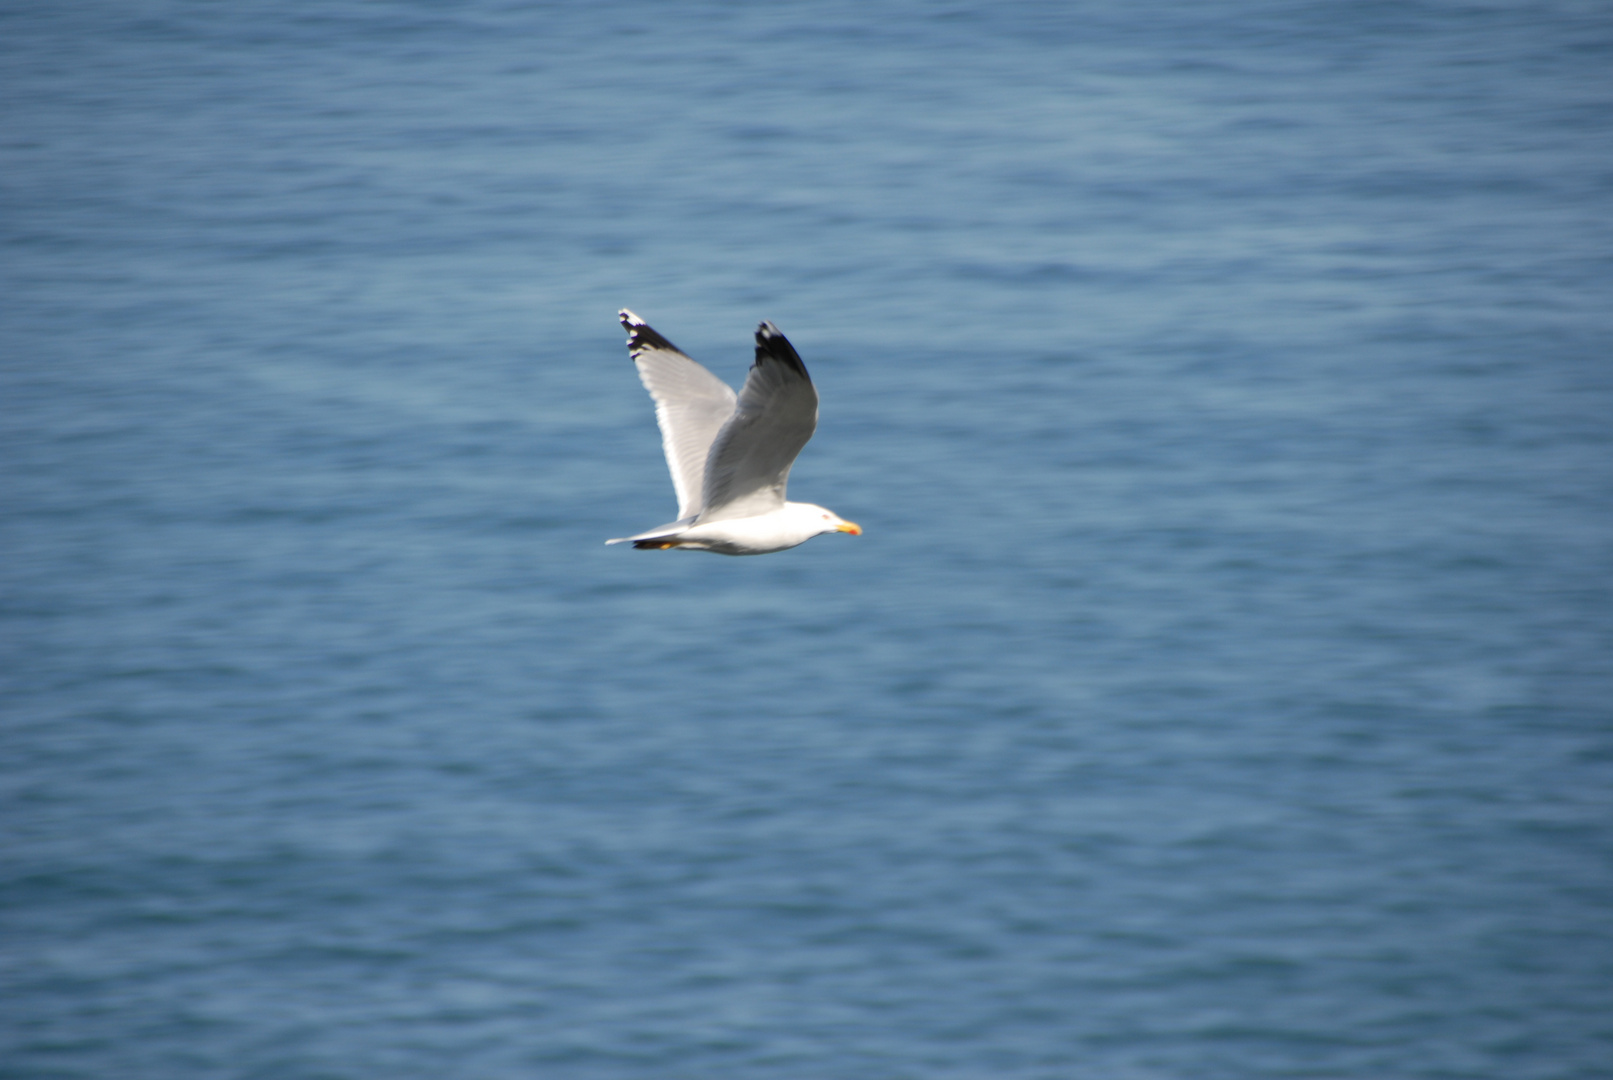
[{"x": 1223, "y": 687}]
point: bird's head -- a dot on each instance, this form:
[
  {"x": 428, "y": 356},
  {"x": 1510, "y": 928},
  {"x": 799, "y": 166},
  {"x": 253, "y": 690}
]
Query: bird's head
[{"x": 827, "y": 521}]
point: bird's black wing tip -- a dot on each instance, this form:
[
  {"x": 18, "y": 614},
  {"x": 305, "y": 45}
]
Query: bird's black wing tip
[
  {"x": 641, "y": 337},
  {"x": 771, "y": 344}
]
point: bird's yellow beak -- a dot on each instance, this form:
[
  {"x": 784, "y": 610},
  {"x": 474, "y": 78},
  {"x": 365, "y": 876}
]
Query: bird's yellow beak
[{"x": 849, "y": 527}]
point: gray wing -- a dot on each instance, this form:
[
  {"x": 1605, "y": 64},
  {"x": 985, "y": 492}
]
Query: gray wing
[
  {"x": 691, "y": 405},
  {"x": 750, "y": 460}
]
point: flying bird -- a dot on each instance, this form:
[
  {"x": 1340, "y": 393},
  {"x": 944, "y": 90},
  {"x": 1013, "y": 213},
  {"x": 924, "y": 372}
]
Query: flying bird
[{"x": 729, "y": 455}]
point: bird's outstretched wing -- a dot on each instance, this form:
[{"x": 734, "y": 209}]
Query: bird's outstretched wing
[
  {"x": 749, "y": 463},
  {"x": 691, "y": 405}
]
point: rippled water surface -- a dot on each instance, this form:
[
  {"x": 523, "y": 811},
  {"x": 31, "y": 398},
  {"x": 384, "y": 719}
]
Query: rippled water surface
[{"x": 1221, "y": 688}]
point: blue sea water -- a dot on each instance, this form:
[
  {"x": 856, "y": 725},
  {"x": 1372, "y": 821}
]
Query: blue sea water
[{"x": 1222, "y": 687}]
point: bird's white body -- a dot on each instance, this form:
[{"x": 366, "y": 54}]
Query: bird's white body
[
  {"x": 760, "y": 534},
  {"x": 730, "y": 454}
]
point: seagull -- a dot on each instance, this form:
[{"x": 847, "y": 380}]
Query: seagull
[{"x": 730, "y": 456}]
